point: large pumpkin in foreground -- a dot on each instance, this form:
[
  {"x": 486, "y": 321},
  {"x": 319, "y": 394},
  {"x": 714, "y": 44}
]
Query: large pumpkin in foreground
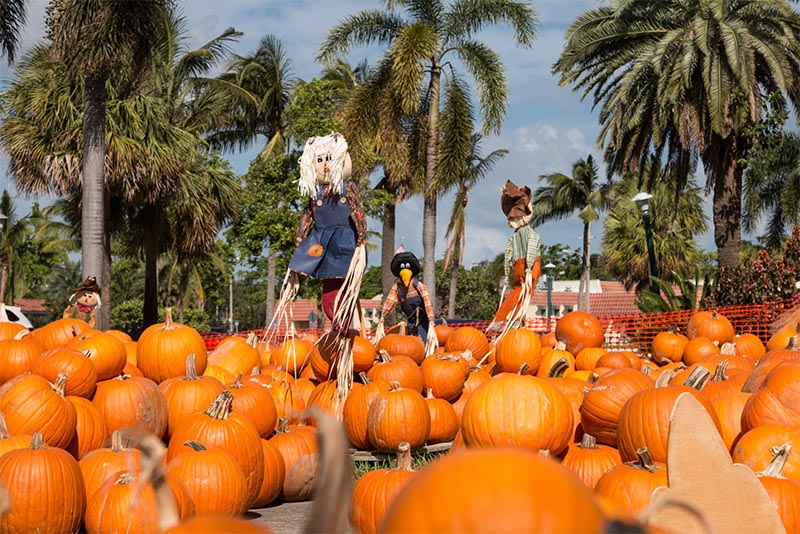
[{"x": 494, "y": 490}]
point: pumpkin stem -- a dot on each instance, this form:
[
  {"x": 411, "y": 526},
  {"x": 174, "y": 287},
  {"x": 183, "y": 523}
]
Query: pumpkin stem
[
  {"x": 698, "y": 378},
  {"x": 4, "y": 434},
  {"x": 779, "y": 458},
  {"x": 545, "y": 453},
  {"x": 384, "y": 356},
  {"x": 191, "y": 367},
  {"x": 221, "y": 407},
  {"x": 721, "y": 371},
  {"x": 728, "y": 349},
  {"x": 61, "y": 384},
  {"x": 594, "y": 377},
  {"x": 558, "y": 369},
  {"x": 404, "y": 457},
  {"x": 116, "y": 441},
  {"x": 152, "y": 472},
  {"x": 237, "y": 384},
  {"x": 523, "y": 367},
  {"x": 252, "y": 340},
  {"x": 793, "y": 344},
  {"x": 447, "y": 358},
  {"x": 395, "y": 385},
  {"x": 37, "y": 441},
  {"x": 126, "y": 478},
  {"x": 403, "y": 328},
  {"x": 560, "y": 345},
  {"x": 647, "y": 371},
  {"x": 76, "y": 330},
  {"x": 588, "y": 442},
  {"x": 364, "y": 378},
  {"x": 21, "y": 334},
  {"x": 255, "y": 371},
  {"x": 663, "y": 379},
  {"x": 283, "y": 425},
  {"x": 195, "y": 445},
  {"x": 168, "y": 325},
  {"x": 430, "y": 394},
  {"x": 645, "y": 459}
]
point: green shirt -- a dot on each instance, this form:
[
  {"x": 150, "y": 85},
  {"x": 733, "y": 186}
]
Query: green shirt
[{"x": 523, "y": 243}]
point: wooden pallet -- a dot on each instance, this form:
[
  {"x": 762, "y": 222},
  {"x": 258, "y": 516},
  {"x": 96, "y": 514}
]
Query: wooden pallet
[{"x": 375, "y": 456}]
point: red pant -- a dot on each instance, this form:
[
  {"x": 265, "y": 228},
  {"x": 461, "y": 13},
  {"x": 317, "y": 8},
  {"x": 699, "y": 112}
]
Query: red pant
[
  {"x": 330, "y": 289},
  {"x": 509, "y": 305}
]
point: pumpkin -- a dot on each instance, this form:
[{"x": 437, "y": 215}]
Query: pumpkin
[
  {"x": 444, "y": 423},
  {"x": 356, "y": 410},
  {"x": 549, "y": 340},
  {"x": 236, "y": 354},
  {"x": 510, "y": 490},
  {"x": 790, "y": 352},
  {"x": 586, "y": 359},
  {"x": 754, "y": 448},
  {"x": 292, "y": 355},
  {"x": 783, "y": 492},
  {"x": 256, "y": 403},
  {"x": 130, "y": 351},
  {"x": 375, "y": 491},
  {"x": 45, "y": 488},
  {"x": 552, "y": 358},
  {"x": 400, "y": 369},
  {"x": 124, "y": 503},
  {"x": 668, "y": 347},
  {"x": 590, "y": 461},
  {"x": 614, "y": 360},
  {"x": 188, "y": 394},
  {"x": 475, "y": 379},
  {"x": 324, "y": 359},
  {"x": 119, "y": 334},
  {"x": 398, "y": 415},
  {"x": 106, "y": 352},
  {"x": 630, "y": 486},
  {"x": 443, "y": 333},
  {"x": 298, "y": 447},
  {"x": 517, "y": 346},
  {"x": 603, "y": 402},
  {"x": 444, "y": 375},
  {"x": 749, "y": 346},
  {"x": 32, "y": 404},
  {"x": 288, "y": 400},
  {"x": 215, "y": 480},
  {"x": 9, "y": 330},
  {"x": 645, "y": 418},
  {"x": 274, "y": 474},
  {"x": 710, "y": 324},
  {"x": 9, "y": 442},
  {"x": 98, "y": 465},
  {"x": 327, "y": 397},
  {"x": 132, "y": 401},
  {"x": 76, "y": 365},
  {"x": 468, "y": 338},
  {"x": 577, "y": 330},
  {"x": 132, "y": 370},
  {"x": 573, "y": 390},
  {"x": 219, "y": 428},
  {"x": 18, "y": 354},
  {"x": 698, "y": 348},
  {"x": 162, "y": 348},
  {"x": 59, "y": 332},
  {"x": 517, "y": 410},
  {"x": 222, "y": 375},
  {"x": 780, "y": 339},
  {"x": 729, "y": 411},
  {"x": 403, "y": 345},
  {"x": 91, "y": 430},
  {"x": 777, "y": 400},
  {"x": 720, "y": 384}
]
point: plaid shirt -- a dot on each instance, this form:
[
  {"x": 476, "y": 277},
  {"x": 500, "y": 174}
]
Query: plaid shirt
[
  {"x": 414, "y": 288},
  {"x": 523, "y": 243},
  {"x": 357, "y": 214}
]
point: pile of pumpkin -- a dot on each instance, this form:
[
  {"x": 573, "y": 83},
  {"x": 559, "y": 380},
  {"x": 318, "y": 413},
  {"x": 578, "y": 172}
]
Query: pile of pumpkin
[{"x": 547, "y": 420}]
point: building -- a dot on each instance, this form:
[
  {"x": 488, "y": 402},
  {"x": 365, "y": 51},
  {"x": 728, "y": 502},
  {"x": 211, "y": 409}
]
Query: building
[
  {"x": 605, "y": 298},
  {"x": 300, "y": 311}
]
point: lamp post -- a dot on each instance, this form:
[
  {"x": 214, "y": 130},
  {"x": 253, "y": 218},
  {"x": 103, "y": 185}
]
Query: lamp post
[
  {"x": 642, "y": 201},
  {"x": 4, "y": 266},
  {"x": 549, "y": 270},
  {"x": 230, "y": 296}
]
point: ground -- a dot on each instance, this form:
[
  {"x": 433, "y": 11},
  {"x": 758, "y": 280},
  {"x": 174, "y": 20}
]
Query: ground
[{"x": 283, "y": 518}]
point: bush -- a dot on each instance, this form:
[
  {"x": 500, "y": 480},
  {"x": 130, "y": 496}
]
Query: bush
[
  {"x": 192, "y": 317},
  {"x": 127, "y": 316}
]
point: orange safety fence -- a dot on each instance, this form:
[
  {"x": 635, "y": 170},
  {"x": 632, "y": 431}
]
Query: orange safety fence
[{"x": 633, "y": 331}]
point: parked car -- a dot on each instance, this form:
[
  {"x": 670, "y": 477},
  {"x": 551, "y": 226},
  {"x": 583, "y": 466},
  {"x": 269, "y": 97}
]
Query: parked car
[{"x": 15, "y": 315}]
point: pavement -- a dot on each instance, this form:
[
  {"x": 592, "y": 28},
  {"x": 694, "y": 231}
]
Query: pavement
[{"x": 282, "y": 518}]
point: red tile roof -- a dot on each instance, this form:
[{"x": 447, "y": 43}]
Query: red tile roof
[{"x": 32, "y": 306}]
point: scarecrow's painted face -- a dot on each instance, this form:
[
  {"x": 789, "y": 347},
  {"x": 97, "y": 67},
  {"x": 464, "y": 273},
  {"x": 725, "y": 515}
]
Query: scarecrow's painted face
[
  {"x": 322, "y": 166},
  {"x": 87, "y": 298}
]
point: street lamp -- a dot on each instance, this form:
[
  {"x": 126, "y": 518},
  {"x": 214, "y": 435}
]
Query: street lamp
[
  {"x": 230, "y": 297},
  {"x": 642, "y": 201},
  {"x": 549, "y": 270}
]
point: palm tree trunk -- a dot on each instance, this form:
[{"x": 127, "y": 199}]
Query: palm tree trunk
[
  {"x": 3, "y": 280},
  {"x": 179, "y": 304},
  {"x": 429, "y": 210},
  {"x": 451, "y": 301},
  {"x": 92, "y": 201},
  {"x": 586, "y": 271},
  {"x": 151, "y": 253},
  {"x": 271, "y": 275},
  {"x": 387, "y": 245},
  {"x": 727, "y": 207},
  {"x": 103, "y": 314}
]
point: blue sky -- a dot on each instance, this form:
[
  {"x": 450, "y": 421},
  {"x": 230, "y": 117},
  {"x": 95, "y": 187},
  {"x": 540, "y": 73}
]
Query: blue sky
[{"x": 547, "y": 127}]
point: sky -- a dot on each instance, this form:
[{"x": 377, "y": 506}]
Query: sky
[{"x": 547, "y": 127}]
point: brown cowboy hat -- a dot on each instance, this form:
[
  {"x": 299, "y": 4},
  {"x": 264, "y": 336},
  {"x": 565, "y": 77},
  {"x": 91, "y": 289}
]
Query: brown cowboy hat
[
  {"x": 90, "y": 285},
  {"x": 515, "y": 200}
]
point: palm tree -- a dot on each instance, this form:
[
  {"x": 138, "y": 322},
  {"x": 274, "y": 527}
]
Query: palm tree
[
  {"x": 563, "y": 196},
  {"x": 14, "y": 232},
  {"x": 686, "y": 78},
  {"x": 477, "y": 168},
  {"x": 422, "y": 40},
  {"x": 98, "y": 38},
  {"x": 12, "y": 18},
  {"x": 624, "y": 246}
]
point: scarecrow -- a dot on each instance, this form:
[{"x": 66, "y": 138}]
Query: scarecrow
[
  {"x": 522, "y": 257},
  {"x": 412, "y": 295},
  {"x": 86, "y": 299}
]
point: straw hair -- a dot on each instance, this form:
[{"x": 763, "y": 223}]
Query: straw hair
[
  {"x": 334, "y": 143},
  {"x": 346, "y": 305},
  {"x": 432, "y": 342},
  {"x": 517, "y": 316},
  {"x": 283, "y": 313}
]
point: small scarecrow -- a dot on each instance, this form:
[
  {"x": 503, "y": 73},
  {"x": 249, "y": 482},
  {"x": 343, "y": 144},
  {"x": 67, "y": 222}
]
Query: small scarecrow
[
  {"x": 330, "y": 239},
  {"x": 522, "y": 257},
  {"x": 86, "y": 299},
  {"x": 412, "y": 295}
]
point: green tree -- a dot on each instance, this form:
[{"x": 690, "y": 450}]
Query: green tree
[
  {"x": 564, "y": 195},
  {"x": 475, "y": 170},
  {"x": 478, "y": 294},
  {"x": 624, "y": 244},
  {"x": 98, "y": 38},
  {"x": 11, "y": 23},
  {"x": 422, "y": 40},
  {"x": 686, "y": 79}
]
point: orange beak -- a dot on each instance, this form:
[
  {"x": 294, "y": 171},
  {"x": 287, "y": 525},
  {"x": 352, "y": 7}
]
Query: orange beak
[{"x": 405, "y": 276}]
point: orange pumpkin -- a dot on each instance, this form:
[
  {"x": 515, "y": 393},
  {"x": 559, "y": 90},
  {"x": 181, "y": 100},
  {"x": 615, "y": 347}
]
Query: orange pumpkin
[
  {"x": 577, "y": 330},
  {"x": 754, "y": 448},
  {"x": 235, "y": 354},
  {"x": 630, "y": 486},
  {"x": 132, "y": 401},
  {"x": 76, "y": 365},
  {"x": 400, "y": 369},
  {"x": 783, "y": 492},
  {"x": 356, "y": 410},
  {"x": 32, "y": 404},
  {"x": 162, "y": 349},
  {"x": 292, "y": 355},
  {"x": 668, "y": 347},
  {"x": 590, "y": 461},
  {"x": 106, "y": 352},
  {"x": 274, "y": 474},
  {"x": 778, "y": 399},
  {"x": 729, "y": 411},
  {"x": 59, "y": 332},
  {"x": 444, "y": 423},
  {"x": 288, "y": 400},
  {"x": 698, "y": 348},
  {"x": 188, "y": 394},
  {"x": 398, "y": 415},
  {"x": 254, "y": 402},
  {"x": 98, "y": 465},
  {"x": 587, "y": 358},
  {"x": 710, "y": 324},
  {"x": 9, "y": 442},
  {"x": 444, "y": 375},
  {"x": 517, "y": 346},
  {"x": 468, "y": 338},
  {"x": 403, "y": 345},
  {"x": 749, "y": 346},
  {"x": 298, "y": 447},
  {"x": 124, "y": 503},
  {"x": 18, "y": 354},
  {"x": 91, "y": 430}
]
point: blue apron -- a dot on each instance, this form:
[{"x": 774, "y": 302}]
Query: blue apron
[
  {"x": 327, "y": 250},
  {"x": 414, "y": 310}
]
